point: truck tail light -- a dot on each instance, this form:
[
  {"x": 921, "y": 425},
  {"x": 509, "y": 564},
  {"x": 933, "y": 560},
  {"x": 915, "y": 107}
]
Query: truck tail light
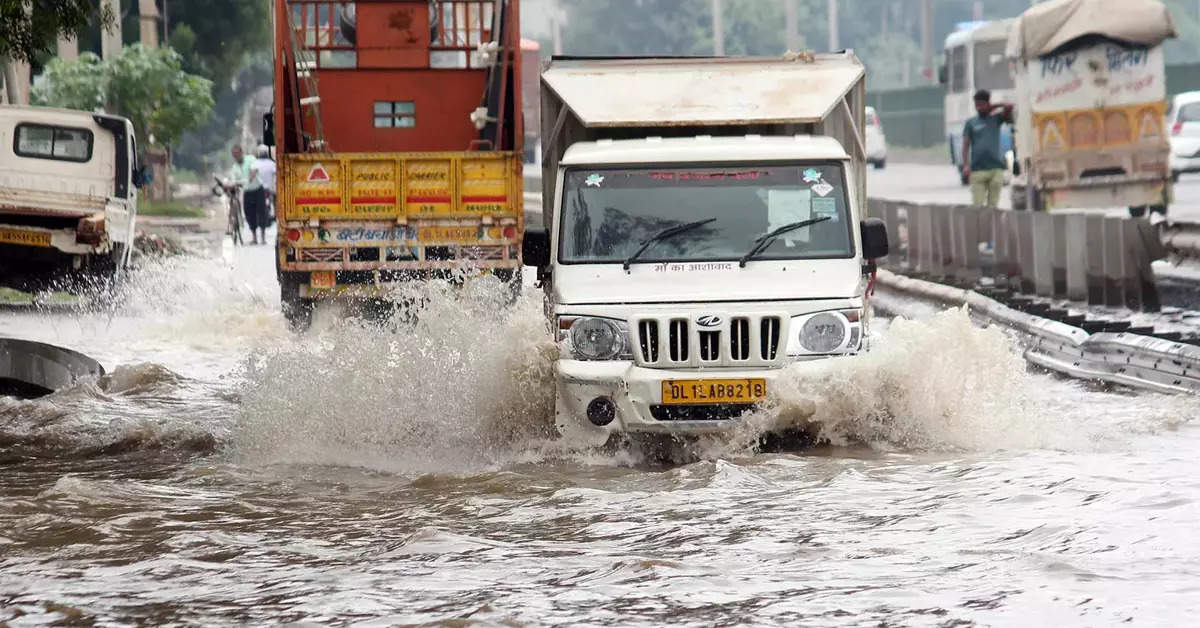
[
  {"x": 510, "y": 232},
  {"x": 1176, "y": 128},
  {"x": 293, "y": 235}
]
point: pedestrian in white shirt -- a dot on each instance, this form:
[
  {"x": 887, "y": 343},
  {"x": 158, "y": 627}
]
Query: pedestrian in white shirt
[{"x": 266, "y": 174}]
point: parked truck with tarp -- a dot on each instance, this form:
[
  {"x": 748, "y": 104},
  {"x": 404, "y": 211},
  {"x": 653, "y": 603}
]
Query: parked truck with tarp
[
  {"x": 398, "y": 132},
  {"x": 1091, "y": 99},
  {"x": 704, "y": 228}
]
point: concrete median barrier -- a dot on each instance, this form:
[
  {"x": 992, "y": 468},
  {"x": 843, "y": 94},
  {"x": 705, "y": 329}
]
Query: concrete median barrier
[{"x": 1097, "y": 259}]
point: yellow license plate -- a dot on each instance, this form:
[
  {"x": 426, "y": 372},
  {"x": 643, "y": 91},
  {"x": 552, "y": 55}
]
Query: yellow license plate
[
  {"x": 448, "y": 234},
  {"x": 321, "y": 280},
  {"x": 689, "y": 391},
  {"x": 28, "y": 238}
]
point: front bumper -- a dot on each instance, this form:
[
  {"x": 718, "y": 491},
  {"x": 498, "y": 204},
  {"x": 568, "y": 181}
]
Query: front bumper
[
  {"x": 1181, "y": 163},
  {"x": 637, "y": 394}
]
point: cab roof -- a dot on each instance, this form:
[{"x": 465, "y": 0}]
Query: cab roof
[{"x": 703, "y": 92}]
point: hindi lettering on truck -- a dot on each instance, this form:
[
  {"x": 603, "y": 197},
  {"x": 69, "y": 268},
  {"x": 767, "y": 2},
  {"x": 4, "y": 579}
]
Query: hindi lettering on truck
[
  {"x": 1091, "y": 95},
  {"x": 398, "y": 132}
]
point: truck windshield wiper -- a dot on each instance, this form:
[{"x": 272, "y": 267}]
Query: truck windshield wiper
[
  {"x": 663, "y": 235},
  {"x": 765, "y": 240}
]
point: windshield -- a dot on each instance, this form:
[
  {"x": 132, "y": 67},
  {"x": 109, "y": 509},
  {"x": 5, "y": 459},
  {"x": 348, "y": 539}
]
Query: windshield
[
  {"x": 609, "y": 212},
  {"x": 991, "y": 68}
]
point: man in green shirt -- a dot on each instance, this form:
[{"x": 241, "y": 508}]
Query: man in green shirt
[
  {"x": 245, "y": 174},
  {"x": 983, "y": 163}
]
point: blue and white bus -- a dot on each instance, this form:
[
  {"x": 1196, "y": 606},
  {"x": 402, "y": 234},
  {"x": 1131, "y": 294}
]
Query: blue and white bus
[{"x": 974, "y": 60}]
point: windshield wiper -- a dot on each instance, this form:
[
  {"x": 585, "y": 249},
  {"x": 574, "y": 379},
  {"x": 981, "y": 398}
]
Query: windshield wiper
[
  {"x": 765, "y": 240},
  {"x": 663, "y": 235}
]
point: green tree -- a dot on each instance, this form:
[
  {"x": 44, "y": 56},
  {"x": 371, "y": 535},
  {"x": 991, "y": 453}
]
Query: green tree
[
  {"x": 31, "y": 27},
  {"x": 228, "y": 42},
  {"x": 79, "y": 84},
  {"x": 146, "y": 85}
]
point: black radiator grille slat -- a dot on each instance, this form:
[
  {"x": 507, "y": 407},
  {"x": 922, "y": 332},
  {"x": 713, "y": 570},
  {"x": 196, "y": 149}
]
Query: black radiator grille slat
[
  {"x": 648, "y": 338},
  {"x": 710, "y": 346},
  {"x": 769, "y": 337},
  {"x": 739, "y": 339},
  {"x": 677, "y": 340}
]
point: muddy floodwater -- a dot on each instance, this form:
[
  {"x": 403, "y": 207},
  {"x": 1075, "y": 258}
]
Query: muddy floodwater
[{"x": 228, "y": 472}]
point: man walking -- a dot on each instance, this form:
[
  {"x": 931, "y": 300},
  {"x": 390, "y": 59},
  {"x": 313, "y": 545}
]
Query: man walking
[
  {"x": 245, "y": 174},
  {"x": 983, "y": 163}
]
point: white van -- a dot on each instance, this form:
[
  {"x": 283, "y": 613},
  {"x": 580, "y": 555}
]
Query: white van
[
  {"x": 683, "y": 273},
  {"x": 68, "y": 191}
]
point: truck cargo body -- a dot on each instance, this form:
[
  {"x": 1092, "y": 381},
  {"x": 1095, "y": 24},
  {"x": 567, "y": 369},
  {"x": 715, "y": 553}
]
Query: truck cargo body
[
  {"x": 701, "y": 234},
  {"x": 67, "y": 194},
  {"x": 1091, "y": 105},
  {"x": 398, "y": 135}
]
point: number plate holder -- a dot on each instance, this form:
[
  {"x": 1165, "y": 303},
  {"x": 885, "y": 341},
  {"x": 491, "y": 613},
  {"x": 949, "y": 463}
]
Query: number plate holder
[{"x": 708, "y": 391}]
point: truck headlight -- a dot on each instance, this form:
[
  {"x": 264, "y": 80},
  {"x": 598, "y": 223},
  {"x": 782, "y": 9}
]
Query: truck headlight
[
  {"x": 825, "y": 333},
  {"x": 594, "y": 338}
]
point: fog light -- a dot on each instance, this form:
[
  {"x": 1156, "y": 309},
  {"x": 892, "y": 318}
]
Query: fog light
[{"x": 601, "y": 411}]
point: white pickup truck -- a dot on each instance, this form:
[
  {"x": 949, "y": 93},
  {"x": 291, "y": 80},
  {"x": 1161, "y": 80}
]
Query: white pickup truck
[
  {"x": 68, "y": 196},
  {"x": 703, "y": 230}
]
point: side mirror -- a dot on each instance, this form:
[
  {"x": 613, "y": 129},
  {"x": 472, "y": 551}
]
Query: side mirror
[
  {"x": 874, "y": 238},
  {"x": 535, "y": 247},
  {"x": 942, "y": 74},
  {"x": 268, "y": 129}
]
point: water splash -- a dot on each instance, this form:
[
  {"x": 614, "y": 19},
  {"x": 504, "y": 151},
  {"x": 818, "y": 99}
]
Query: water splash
[
  {"x": 463, "y": 387},
  {"x": 945, "y": 384}
]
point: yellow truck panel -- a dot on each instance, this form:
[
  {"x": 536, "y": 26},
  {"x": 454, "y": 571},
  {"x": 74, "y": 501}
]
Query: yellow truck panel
[{"x": 383, "y": 211}]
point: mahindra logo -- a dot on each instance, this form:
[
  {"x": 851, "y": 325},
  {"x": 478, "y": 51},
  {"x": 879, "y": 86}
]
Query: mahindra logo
[{"x": 709, "y": 321}]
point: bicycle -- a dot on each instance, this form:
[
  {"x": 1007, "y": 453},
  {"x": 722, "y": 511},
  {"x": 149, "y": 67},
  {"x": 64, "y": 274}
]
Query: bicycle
[{"x": 236, "y": 217}]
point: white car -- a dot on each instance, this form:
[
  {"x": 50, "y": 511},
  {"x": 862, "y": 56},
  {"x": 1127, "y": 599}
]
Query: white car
[
  {"x": 1183, "y": 118},
  {"x": 876, "y": 141}
]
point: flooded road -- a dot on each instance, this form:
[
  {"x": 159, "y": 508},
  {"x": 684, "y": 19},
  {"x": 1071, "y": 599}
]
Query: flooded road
[{"x": 228, "y": 472}]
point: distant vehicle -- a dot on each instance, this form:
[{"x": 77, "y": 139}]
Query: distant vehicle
[
  {"x": 1183, "y": 118},
  {"x": 68, "y": 192},
  {"x": 1091, "y": 99},
  {"x": 684, "y": 274},
  {"x": 876, "y": 141},
  {"x": 974, "y": 61}
]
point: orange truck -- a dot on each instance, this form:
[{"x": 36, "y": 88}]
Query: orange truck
[{"x": 398, "y": 136}]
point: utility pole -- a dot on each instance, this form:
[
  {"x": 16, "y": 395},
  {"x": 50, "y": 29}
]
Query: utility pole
[
  {"x": 110, "y": 38},
  {"x": 148, "y": 14},
  {"x": 68, "y": 48},
  {"x": 791, "y": 24},
  {"x": 718, "y": 29},
  {"x": 556, "y": 26},
  {"x": 833, "y": 25},
  {"x": 927, "y": 41}
]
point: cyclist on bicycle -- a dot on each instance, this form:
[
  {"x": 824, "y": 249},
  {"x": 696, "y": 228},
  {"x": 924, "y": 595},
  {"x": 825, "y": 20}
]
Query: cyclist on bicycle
[{"x": 245, "y": 174}]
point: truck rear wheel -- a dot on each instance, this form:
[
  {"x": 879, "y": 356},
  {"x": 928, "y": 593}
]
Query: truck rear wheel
[{"x": 296, "y": 309}]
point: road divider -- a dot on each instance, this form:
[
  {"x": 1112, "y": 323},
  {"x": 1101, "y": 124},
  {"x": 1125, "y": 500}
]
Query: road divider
[{"x": 1085, "y": 257}]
